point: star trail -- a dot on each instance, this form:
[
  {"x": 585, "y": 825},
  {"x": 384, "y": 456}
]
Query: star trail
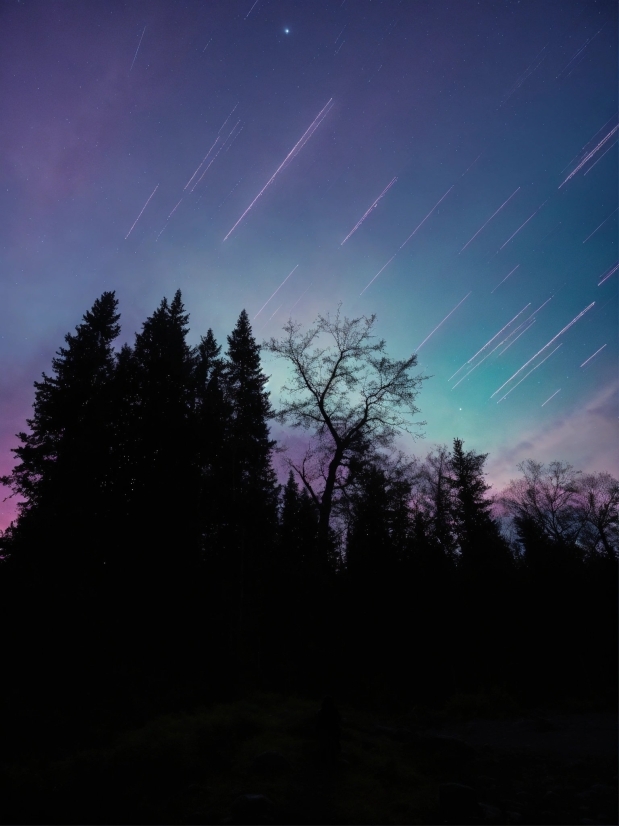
[{"x": 420, "y": 161}]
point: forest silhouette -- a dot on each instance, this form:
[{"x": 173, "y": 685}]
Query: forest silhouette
[{"x": 156, "y": 562}]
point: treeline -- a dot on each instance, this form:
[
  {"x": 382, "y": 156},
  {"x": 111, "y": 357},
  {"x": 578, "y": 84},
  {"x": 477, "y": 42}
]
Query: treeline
[
  {"x": 155, "y": 559},
  {"x": 139, "y": 462}
]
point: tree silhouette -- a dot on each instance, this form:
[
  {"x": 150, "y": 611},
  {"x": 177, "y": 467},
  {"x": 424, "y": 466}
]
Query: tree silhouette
[
  {"x": 250, "y": 407},
  {"x": 482, "y": 547},
  {"x": 63, "y": 471},
  {"x": 598, "y": 510},
  {"x": 288, "y": 589},
  {"x": 125, "y": 459},
  {"x": 546, "y": 494},
  {"x": 346, "y": 393},
  {"x": 153, "y": 548},
  {"x": 379, "y": 518},
  {"x": 298, "y": 524},
  {"x": 544, "y": 506},
  {"x": 211, "y": 448},
  {"x": 434, "y": 503},
  {"x": 165, "y": 484},
  {"x": 252, "y": 480}
]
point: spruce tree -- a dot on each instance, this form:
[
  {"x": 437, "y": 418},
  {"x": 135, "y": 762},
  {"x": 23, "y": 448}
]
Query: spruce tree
[
  {"x": 436, "y": 489},
  {"x": 484, "y": 567},
  {"x": 370, "y": 552},
  {"x": 482, "y": 548},
  {"x": 298, "y": 525},
  {"x": 253, "y": 491},
  {"x": 211, "y": 443},
  {"x": 253, "y": 478},
  {"x": 125, "y": 461},
  {"x": 208, "y": 363},
  {"x": 164, "y": 486},
  {"x": 287, "y": 588},
  {"x": 379, "y": 598},
  {"x": 63, "y": 475}
]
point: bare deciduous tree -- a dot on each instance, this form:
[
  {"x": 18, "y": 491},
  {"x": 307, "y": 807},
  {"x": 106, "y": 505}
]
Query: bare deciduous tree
[
  {"x": 599, "y": 511},
  {"x": 547, "y": 495},
  {"x": 568, "y": 507},
  {"x": 347, "y": 391}
]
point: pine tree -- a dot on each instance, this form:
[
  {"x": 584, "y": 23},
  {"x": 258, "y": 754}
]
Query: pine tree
[
  {"x": 208, "y": 363},
  {"x": 482, "y": 548},
  {"x": 436, "y": 486},
  {"x": 370, "y": 551},
  {"x": 289, "y": 517},
  {"x": 253, "y": 479},
  {"x": 212, "y": 451},
  {"x": 164, "y": 486},
  {"x": 484, "y": 567},
  {"x": 64, "y": 472},
  {"x": 288, "y": 594},
  {"x": 124, "y": 397},
  {"x": 298, "y": 525}
]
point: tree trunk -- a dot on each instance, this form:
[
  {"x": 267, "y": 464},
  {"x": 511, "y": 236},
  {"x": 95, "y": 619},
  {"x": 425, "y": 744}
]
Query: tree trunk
[{"x": 326, "y": 505}]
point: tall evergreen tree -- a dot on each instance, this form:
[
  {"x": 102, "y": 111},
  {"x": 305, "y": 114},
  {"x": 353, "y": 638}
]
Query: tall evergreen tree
[
  {"x": 298, "y": 525},
  {"x": 289, "y": 516},
  {"x": 379, "y": 529},
  {"x": 63, "y": 473},
  {"x": 208, "y": 363},
  {"x": 124, "y": 396},
  {"x": 484, "y": 567},
  {"x": 377, "y": 622},
  {"x": 212, "y": 450},
  {"x": 252, "y": 485},
  {"x": 482, "y": 547},
  {"x": 288, "y": 589},
  {"x": 436, "y": 503},
  {"x": 164, "y": 530},
  {"x": 253, "y": 478}
]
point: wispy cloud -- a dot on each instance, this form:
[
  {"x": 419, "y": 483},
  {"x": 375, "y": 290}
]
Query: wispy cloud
[{"x": 587, "y": 438}]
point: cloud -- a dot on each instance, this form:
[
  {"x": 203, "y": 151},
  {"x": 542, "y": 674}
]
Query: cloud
[{"x": 586, "y": 438}]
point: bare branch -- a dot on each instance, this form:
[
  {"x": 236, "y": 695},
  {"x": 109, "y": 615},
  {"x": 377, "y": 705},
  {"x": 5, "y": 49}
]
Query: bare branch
[{"x": 346, "y": 390}]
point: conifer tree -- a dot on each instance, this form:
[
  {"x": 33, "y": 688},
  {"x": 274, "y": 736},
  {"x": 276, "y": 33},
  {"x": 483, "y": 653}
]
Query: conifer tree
[
  {"x": 289, "y": 517},
  {"x": 436, "y": 487},
  {"x": 253, "y": 480},
  {"x": 208, "y": 363},
  {"x": 298, "y": 524},
  {"x": 125, "y": 461},
  {"x": 482, "y": 548},
  {"x": 483, "y": 575},
  {"x": 380, "y": 525},
  {"x": 212, "y": 450},
  {"x": 164, "y": 488},
  {"x": 289, "y": 596},
  {"x": 252, "y": 487},
  {"x": 63, "y": 473}
]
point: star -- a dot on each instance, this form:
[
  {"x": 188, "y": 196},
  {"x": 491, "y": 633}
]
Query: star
[{"x": 286, "y": 31}]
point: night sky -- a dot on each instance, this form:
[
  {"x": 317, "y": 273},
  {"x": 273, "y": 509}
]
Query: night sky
[{"x": 467, "y": 117}]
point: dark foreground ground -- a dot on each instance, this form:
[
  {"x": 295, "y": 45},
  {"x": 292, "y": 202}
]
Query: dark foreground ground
[{"x": 533, "y": 767}]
